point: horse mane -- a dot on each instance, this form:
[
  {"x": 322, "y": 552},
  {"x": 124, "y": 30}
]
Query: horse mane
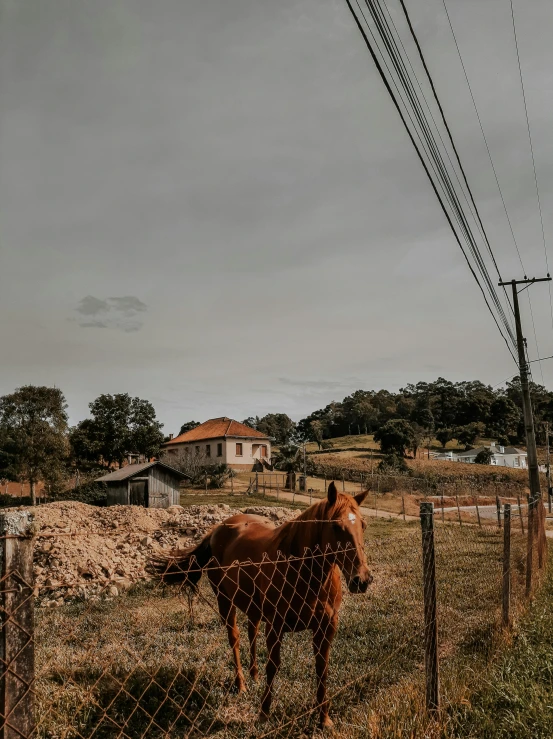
[
  {"x": 289, "y": 539},
  {"x": 323, "y": 511}
]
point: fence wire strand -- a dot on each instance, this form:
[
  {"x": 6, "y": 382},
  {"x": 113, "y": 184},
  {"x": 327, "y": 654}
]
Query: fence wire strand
[{"x": 172, "y": 656}]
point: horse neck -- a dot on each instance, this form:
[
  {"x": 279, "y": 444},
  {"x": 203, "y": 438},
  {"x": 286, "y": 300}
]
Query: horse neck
[{"x": 304, "y": 532}]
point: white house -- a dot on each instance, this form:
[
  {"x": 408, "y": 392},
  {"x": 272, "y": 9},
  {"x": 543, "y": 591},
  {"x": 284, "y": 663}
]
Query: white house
[
  {"x": 223, "y": 440},
  {"x": 502, "y": 456}
]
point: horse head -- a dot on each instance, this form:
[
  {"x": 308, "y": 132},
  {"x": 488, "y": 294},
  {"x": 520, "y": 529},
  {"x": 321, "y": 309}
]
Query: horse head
[{"x": 345, "y": 534}]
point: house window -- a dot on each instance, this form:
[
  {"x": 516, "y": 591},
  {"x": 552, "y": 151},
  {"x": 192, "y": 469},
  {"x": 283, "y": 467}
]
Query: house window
[
  {"x": 238, "y": 449},
  {"x": 219, "y": 450},
  {"x": 208, "y": 450},
  {"x": 198, "y": 450},
  {"x": 263, "y": 450}
]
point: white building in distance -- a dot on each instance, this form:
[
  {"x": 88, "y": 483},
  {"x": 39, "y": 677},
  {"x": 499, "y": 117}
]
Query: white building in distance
[{"x": 502, "y": 456}]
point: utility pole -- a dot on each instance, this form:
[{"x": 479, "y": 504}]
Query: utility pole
[{"x": 533, "y": 471}]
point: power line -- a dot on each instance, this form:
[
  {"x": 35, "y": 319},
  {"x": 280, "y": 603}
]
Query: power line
[
  {"x": 535, "y": 179},
  {"x": 483, "y": 134},
  {"x": 445, "y": 180},
  {"x": 429, "y": 146}
]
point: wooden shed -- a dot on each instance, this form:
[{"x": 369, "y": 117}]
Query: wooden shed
[{"x": 150, "y": 484}]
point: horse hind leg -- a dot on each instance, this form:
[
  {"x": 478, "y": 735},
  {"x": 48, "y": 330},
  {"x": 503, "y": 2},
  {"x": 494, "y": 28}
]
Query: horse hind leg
[
  {"x": 253, "y": 630},
  {"x": 228, "y": 614}
]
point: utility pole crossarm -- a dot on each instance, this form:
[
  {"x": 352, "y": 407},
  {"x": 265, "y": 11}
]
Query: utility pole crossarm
[{"x": 525, "y": 281}]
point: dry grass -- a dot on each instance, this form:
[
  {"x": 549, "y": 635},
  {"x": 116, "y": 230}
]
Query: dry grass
[{"x": 148, "y": 665}]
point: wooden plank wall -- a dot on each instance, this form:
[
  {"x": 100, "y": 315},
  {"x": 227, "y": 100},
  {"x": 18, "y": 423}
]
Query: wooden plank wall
[{"x": 163, "y": 488}]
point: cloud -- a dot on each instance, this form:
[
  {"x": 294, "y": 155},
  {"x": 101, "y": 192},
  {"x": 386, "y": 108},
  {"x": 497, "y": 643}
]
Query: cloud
[{"x": 121, "y": 313}]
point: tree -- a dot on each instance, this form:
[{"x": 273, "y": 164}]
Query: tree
[
  {"x": 277, "y": 425},
  {"x": 33, "y": 428},
  {"x": 419, "y": 435},
  {"x": 504, "y": 419},
  {"x": 120, "y": 425},
  {"x": 484, "y": 456},
  {"x": 289, "y": 459},
  {"x": 467, "y": 435},
  {"x": 188, "y": 426},
  {"x": 317, "y": 432},
  {"x": 251, "y": 421},
  {"x": 444, "y": 435},
  {"x": 395, "y": 436}
]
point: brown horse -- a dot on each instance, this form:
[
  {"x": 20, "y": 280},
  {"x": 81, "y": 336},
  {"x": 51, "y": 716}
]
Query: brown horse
[{"x": 288, "y": 577}]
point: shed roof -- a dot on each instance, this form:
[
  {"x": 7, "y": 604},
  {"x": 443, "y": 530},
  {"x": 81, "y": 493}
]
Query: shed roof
[
  {"x": 218, "y": 428},
  {"x": 131, "y": 470}
]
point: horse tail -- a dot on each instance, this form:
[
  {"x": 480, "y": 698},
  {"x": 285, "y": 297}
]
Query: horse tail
[{"x": 183, "y": 565}]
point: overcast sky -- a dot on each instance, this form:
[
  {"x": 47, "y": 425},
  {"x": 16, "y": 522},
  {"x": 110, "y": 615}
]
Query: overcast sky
[{"x": 213, "y": 205}]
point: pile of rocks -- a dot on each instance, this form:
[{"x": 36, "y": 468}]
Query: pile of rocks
[{"x": 85, "y": 552}]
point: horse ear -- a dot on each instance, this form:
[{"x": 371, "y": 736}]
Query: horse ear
[
  {"x": 332, "y": 493},
  {"x": 360, "y": 497}
]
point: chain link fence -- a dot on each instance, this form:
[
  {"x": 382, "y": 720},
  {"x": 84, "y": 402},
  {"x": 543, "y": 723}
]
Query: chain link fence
[{"x": 157, "y": 659}]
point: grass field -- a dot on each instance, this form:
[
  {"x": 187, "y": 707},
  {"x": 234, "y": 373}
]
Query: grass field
[{"x": 150, "y": 664}]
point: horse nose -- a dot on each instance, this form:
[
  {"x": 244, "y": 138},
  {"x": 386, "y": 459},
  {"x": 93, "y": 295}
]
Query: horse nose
[{"x": 360, "y": 584}]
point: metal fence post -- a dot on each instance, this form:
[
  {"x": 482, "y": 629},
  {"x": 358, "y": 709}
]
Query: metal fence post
[
  {"x": 506, "y": 590},
  {"x": 430, "y": 607},
  {"x": 17, "y": 655},
  {"x": 530, "y": 545},
  {"x": 478, "y": 512},
  {"x": 541, "y": 531},
  {"x": 520, "y": 514}
]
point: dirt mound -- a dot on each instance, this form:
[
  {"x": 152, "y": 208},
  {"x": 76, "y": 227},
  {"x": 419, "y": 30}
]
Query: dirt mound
[{"x": 86, "y": 552}]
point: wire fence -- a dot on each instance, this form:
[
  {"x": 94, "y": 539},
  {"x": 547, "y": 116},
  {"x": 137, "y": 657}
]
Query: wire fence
[{"x": 160, "y": 659}]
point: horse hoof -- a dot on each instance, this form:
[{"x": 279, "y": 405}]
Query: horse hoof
[
  {"x": 254, "y": 676},
  {"x": 326, "y": 723}
]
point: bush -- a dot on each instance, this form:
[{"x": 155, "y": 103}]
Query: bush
[
  {"x": 393, "y": 464},
  {"x": 483, "y": 457},
  {"x": 10, "y": 501},
  {"x": 218, "y": 474},
  {"x": 92, "y": 493}
]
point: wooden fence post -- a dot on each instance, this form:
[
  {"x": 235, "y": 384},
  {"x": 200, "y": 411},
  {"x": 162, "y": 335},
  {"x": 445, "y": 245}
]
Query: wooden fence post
[
  {"x": 506, "y": 565},
  {"x": 530, "y": 545},
  {"x": 498, "y": 506},
  {"x": 430, "y": 607},
  {"x": 17, "y": 651},
  {"x": 256, "y": 482}
]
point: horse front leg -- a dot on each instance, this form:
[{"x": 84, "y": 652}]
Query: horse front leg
[
  {"x": 253, "y": 629},
  {"x": 274, "y": 642},
  {"x": 322, "y": 640},
  {"x": 228, "y": 614}
]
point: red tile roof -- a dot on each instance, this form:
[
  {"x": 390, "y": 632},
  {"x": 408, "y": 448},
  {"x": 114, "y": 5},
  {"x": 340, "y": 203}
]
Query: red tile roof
[{"x": 217, "y": 428}]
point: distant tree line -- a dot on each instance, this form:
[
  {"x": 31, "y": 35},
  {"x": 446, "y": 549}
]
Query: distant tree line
[
  {"x": 445, "y": 410},
  {"x": 37, "y": 445}
]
